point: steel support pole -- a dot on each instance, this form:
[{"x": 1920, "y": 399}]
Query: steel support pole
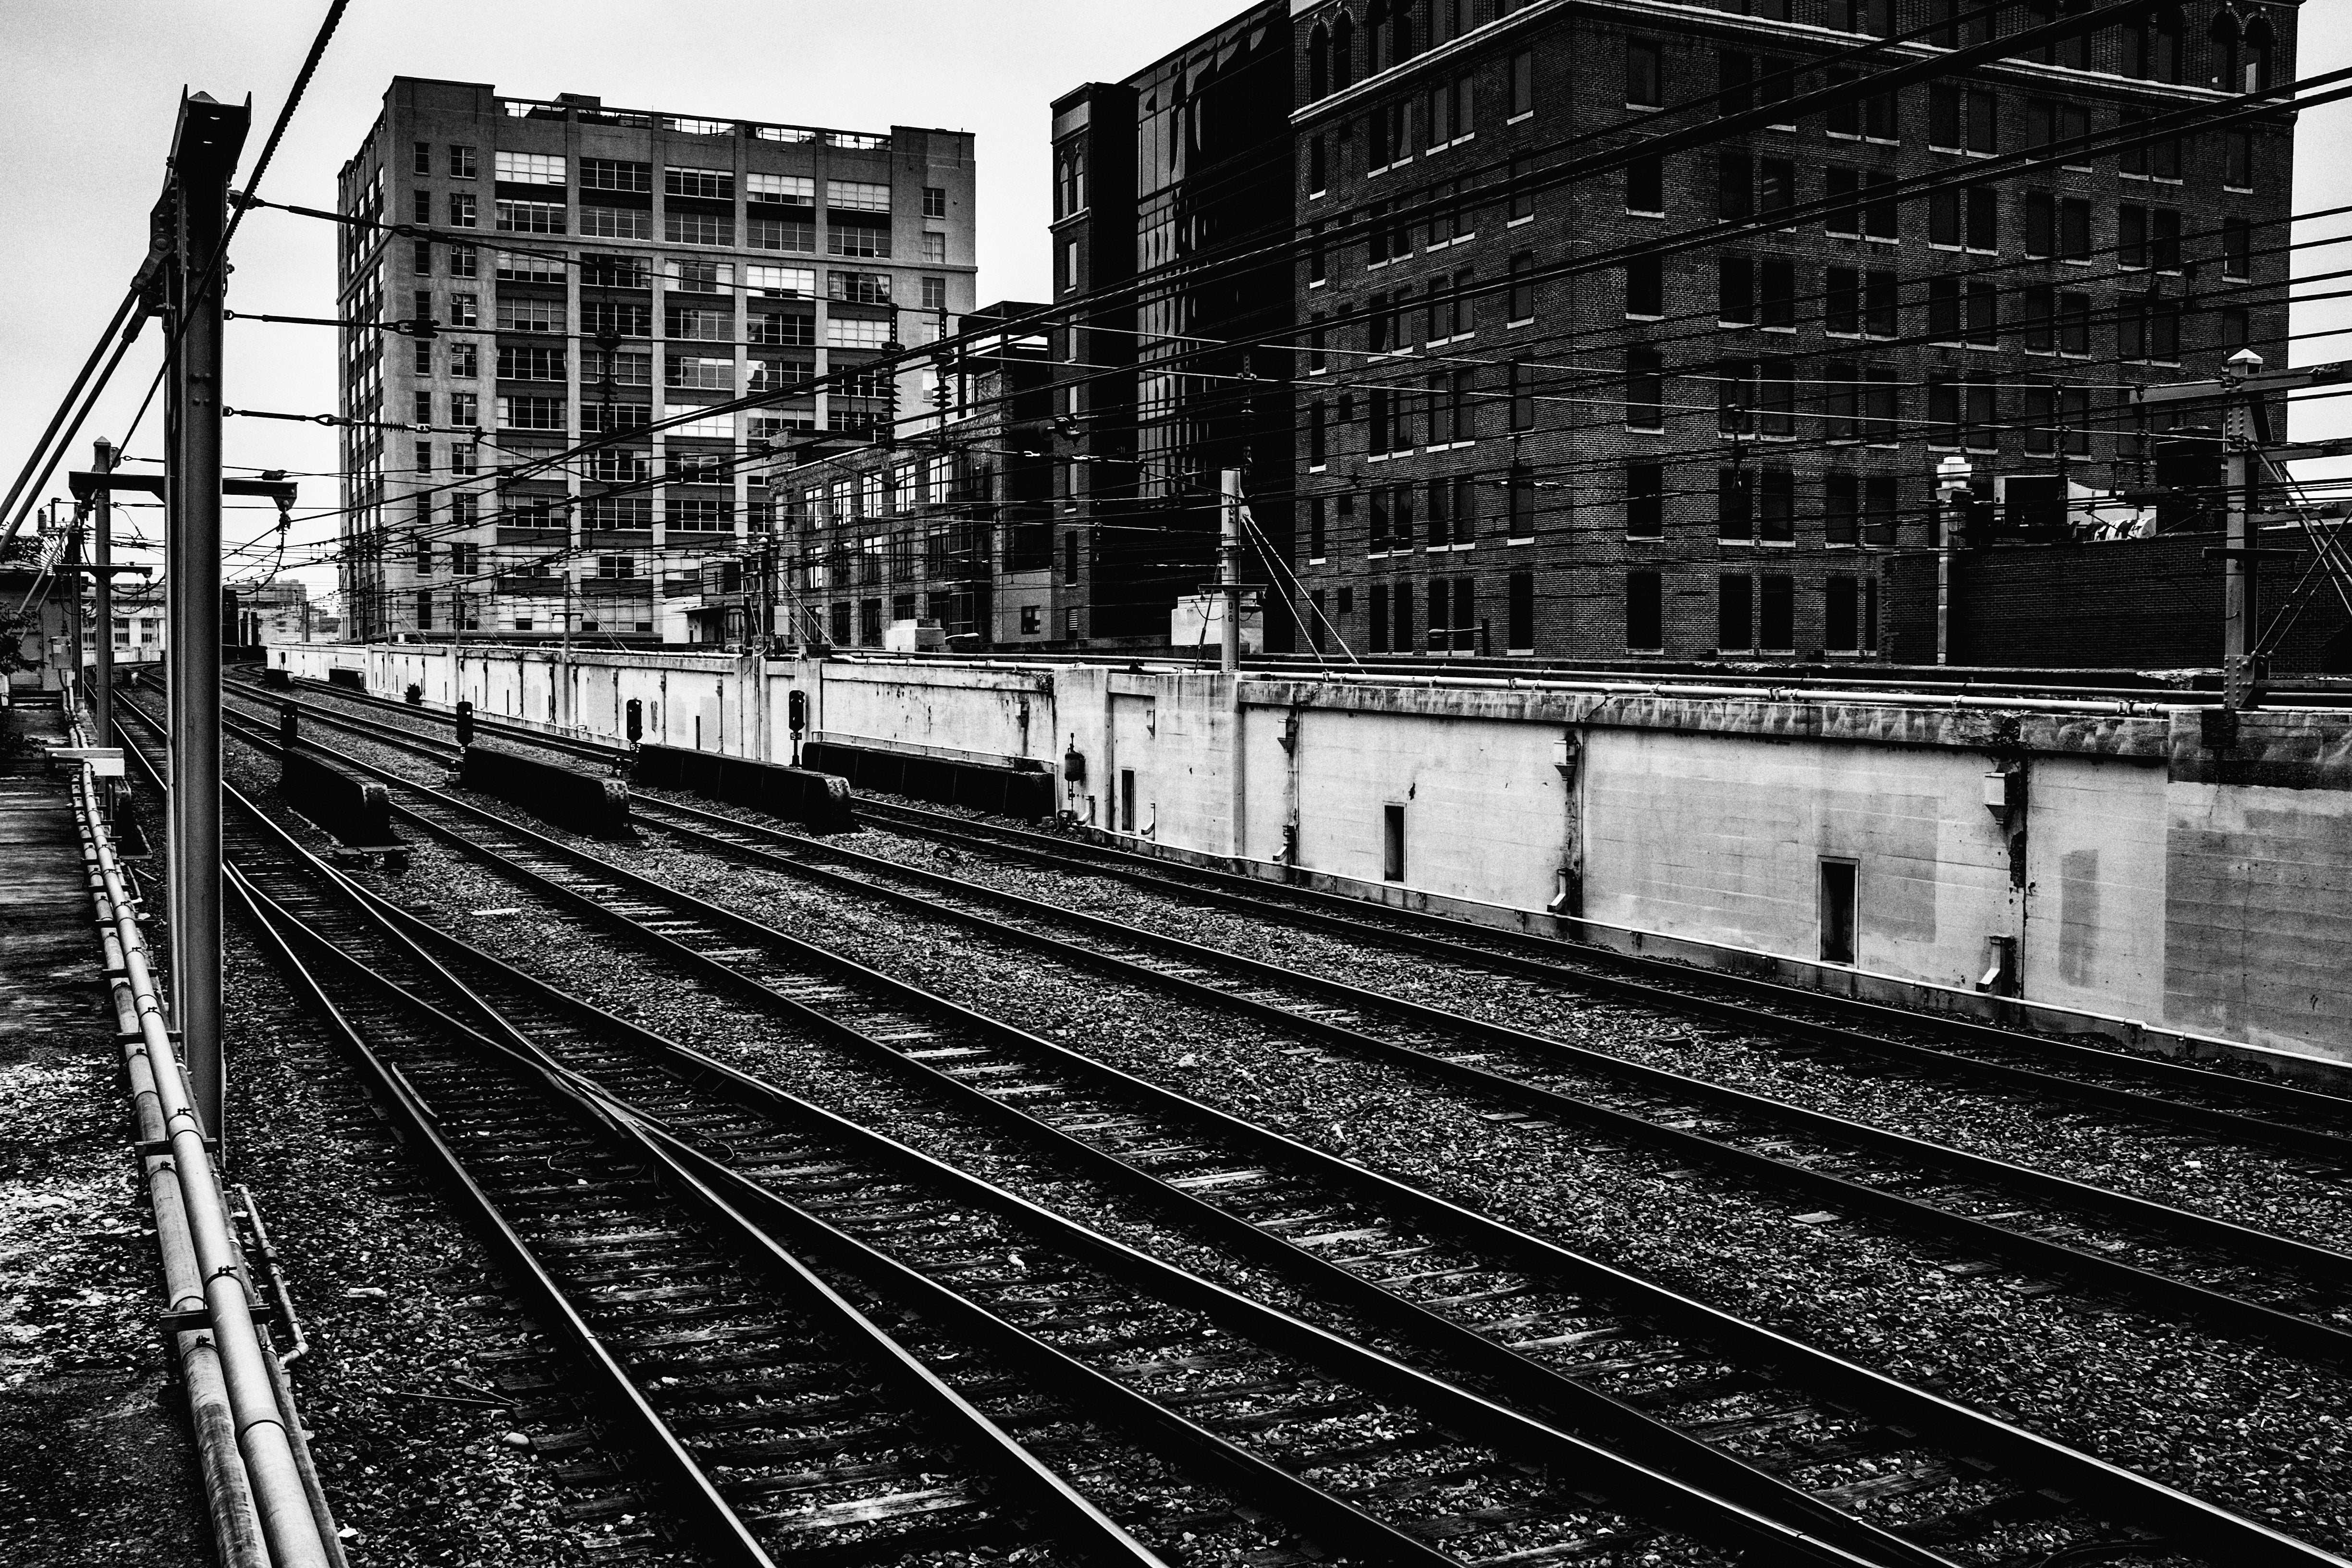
[
  {"x": 203, "y": 155},
  {"x": 75, "y": 694},
  {"x": 1229, "y": 569},
  {"x": 2242, "y": 563},
  {"x": 102, "y": 556}
]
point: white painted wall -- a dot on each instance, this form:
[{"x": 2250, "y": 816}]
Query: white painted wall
[{"x": 2209, "y": 909}]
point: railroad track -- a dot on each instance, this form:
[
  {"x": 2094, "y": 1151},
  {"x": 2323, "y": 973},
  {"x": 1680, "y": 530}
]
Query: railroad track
[
  {"x": 1424, "y": 1269},
  {"x": 2293, "y": 1292},
  {"x": 1446, "y": 1477}
]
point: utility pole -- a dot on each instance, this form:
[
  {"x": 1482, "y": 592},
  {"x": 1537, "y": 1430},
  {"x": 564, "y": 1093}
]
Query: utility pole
[
  {"x": 205, "y": 151},
  {"x": 69, "y": 577},
  {"x": 2241, "y": 564},
  {"x": 1229, "y": 569},
  {"x": 101, "y": 513}
]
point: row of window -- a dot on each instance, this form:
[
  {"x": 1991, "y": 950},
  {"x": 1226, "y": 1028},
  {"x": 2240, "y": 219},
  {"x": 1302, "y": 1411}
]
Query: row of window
[
  {"x": 626, "y": 319},
  {"x": 680, "y": 276},
  {"x": 1858, "y": 302},
  {"x": 849, "y": 239},
  {"x": 2239, "y": 58},
  {"x": 462, "y": 163},
  {"x": 1754, "y": 613},
  {"x": 1394, "y": 32}
]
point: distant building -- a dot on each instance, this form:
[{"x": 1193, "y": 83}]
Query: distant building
[
  {"x": 949, "y": 522},
  {"x": 275, "y": 611},
  {"x": 630, "y": 266}
]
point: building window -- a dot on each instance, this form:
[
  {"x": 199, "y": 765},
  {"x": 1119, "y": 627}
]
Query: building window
[
  {"x": 1841, "y": 617},
  {"x": 615, "y": 174},
  {"x": 525, "y": 315},
  {"x": 1392, "y": 844},
  {"x": 1775, "y": 613},
  {"x": 1645, "y": 289},
  {"x": 531, "y": 168},
  {"x": 697, "y": 228},
  {"x": 462, "y": 165},
  {"x": 1644, "y": 80},
  {"x": 528, "y": 363},
  {"x": 858, "y": 288},
  {"x": 779, "y": 233},
  {"x": 935, "y": 201},
  {"x": 934, "y": 248},
  {"x": 1520, "y": 634},
  {"x": 462, "y": 210},
  {"x": 708, "y": 184},
  {"x": 420, "y": 157},
  {"x": 2238, "y": 167},
  {"x": 1735, "y": 613},
  {"x": 1645, "y": 612},
  {"x": 1644, "y": 390},
  {"x": 531, "y": 414},
  {"x": 615, "y": 223},
  {"x": 1645, "y": 500},
  {"x": 1645, "y": 187},
  {"x": 1523, "y": 84}
]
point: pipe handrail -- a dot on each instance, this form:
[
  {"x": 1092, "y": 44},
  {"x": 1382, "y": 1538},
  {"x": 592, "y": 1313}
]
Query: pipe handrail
[{"x": 264, "y": 1513}]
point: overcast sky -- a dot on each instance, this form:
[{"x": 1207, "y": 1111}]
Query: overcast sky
[{"x": 88, "y": 93}]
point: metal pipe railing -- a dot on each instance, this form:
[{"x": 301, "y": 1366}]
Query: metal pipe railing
[{"x": 264, "y": 1513}]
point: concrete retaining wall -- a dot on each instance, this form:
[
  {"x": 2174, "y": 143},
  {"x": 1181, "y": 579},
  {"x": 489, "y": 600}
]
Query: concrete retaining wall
[{"x": 2193, "y": 896}]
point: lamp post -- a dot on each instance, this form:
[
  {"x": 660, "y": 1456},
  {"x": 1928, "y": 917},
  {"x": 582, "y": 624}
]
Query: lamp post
[{"x": 1952, "y": 476}]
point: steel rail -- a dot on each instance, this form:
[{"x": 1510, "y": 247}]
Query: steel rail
[
  {"x": 1076, "y": 1520},
  {"x": 1865, "y": 1389},
  {"x": 1169, "y": 877},
  {"x": 1550, "y": 1393},
  {"x": 1334, "y": 1518},
  {"x": 2145, "y": 1214},
  {"x": 1266, "y": 900},
  {"x": 2301, "y": 1335},
  {"x": 711, "y": 1519}
]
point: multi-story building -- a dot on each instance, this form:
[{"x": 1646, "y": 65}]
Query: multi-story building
[
  {"x": 275, "y": 611},
  {"x": 1172, "y": 214},
  {"x": 592, "y": 270},
  {"x": 1687, "y": 405},
  {"x": 937, "y": 523}
]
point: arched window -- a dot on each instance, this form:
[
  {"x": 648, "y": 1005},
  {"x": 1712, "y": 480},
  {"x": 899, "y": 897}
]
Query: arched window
[
  {"x": 1318, "y": 64},
  {"x": 2255, "y": 63},
  {"x": 1343, "y": 53},
  {"x": 2224, "y": 37}
]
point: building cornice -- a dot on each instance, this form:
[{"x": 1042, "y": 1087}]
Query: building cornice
[{"x": 1706, "y": 19}]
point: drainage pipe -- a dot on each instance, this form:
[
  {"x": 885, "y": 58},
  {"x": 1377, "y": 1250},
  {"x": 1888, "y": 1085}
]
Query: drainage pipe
[{"x": 264, "y": 1514}]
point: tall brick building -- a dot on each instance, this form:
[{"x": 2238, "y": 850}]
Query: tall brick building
[{"x": 1510, "y": 441}]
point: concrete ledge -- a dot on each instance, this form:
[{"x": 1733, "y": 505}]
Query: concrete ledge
[
  {"x": 1025, "y": 790},
  {"x": 817, "y": 800},
  {"x": 574, "y": 797},
  {"x": 356, "y": 810}
]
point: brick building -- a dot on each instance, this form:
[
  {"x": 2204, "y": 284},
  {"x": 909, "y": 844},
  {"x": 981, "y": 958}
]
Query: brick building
[
  {"x": 1515, "y": 436},
  {"x": 630, "y": 266},
  {"x": 949, "y": 519}
]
